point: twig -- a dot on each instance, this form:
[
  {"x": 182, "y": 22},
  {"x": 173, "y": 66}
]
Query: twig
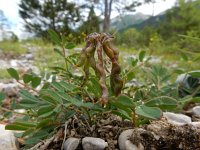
[
  {"x": 43, "y": 144},
  {"x": 196, "y": 91},
  {"x": 29, "y": 88},
  {"x": 8, "y": 110},
  {"x": 65, "y": 133}
]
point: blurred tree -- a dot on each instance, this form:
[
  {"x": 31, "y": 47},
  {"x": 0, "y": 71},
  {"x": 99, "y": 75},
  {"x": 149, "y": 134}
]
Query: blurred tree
[
  {"x": 92, "y": 23},
  {"x": 3, "y": 21},
  {"x": 4, "y": 25},
  {"x": 41, "y": 15},
  {"x": 131, "y": 38},
  {"x": 120, "y": 6},
  {"x": 182, "y": 19}
]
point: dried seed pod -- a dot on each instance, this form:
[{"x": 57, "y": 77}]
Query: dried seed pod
[
  {"x": 98, "y": 42},
  {"x": 86, "y": 71},
  {"x": 102, "y": 74},
  {"x": 116, "y": 82},
  {"x": 93, "y": 64},
  {"x": 109, "y": 52}
]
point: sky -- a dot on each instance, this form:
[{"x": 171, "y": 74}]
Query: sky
[{"x": 10, "y": 8}]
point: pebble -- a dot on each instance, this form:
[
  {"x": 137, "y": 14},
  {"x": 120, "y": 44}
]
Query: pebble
[
  {"x": 7, "y": 139},
  {"x": 10, "y": 89},
  {"x": 196, "y": 124},
  {"x": 71, "y": 143},
  {"x": 130, "y": 146},
  {"x": 91, "y": 143},
  {"x": 182, "y": 80},
  {"x": 177, "y": 119},
  {"x": 123, "y": 137},
  {"x": 196, "y": 111}
]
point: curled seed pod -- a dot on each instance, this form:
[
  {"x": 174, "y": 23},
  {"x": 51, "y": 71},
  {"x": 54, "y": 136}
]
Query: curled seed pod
[
  {"x": 115, "y": 51},
  {"x": 109, "y": 52},
  {"x": 115, "y": 80},
  {"x": 93, "y": 64},
  {"x": 102, "y": 74},
  {"x": 88, "y": 51},
  {"x": 86, "y": 71}
]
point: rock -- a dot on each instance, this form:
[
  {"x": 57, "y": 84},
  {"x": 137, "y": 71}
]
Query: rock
[
  {"x": 196, "y": 111},
  {"x": 123, "y": 137},
  {"x": 130, "y": 146},
  {"x": 177, "y": 119},
  {"x": 10, "y": 89},
  {"x": 7, "y": 139},
  {"x": 91, "y": 143},
  {"x": 71, "y": 143},
  {"x": 154, "y": 59},
  {"x": 134, "y": 83},
  {"x": 160, "y": 134},
  {"x": 186, "y": 81},
  {"x": 29, "y": 56},
  {"x": 4, "y": 64},
  {"x": 196, "y": 124},
  {"x": 182, "y": 80},
  {"x": 77, "y": 49}
]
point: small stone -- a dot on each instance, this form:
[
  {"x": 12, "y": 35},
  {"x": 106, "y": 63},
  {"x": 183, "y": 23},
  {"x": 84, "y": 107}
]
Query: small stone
[
  {"x": 134, "y": 83},
  {"x": 130, "y": 146},
  {"x": 177, "y": 119},
  {"x": 71, "y": 143},
  {"x": 29, "y": 56},
  {"x": 91, "y": 143},
  {"x": 123, "y": 137},
  {"x": 196, "y": 111},
  {"x": 7, "y": 139},
  {"x": 196, "y": 124},
  {"x": 72, "y": 133},
  {"x": 10, "y": 89},
  {"x": 78, "y": 49}
]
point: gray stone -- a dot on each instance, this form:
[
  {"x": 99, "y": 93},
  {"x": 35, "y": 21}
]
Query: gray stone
[
  {"x": 29, "y": 56},
  {"x": 123, "y": 137},
  {"x": 7, "y": 139},
  {"x": 130, "y": 146},
  {"x": 196, "y": 111},
  {"x": 71, "y": 143},
  {"x": 10, "y": 89},
  {"x": 196, "y": 124},
  {"x": 182, "y": 80},
  {"x": 78, "y": 49},
  {"x": 177, "y": 119},
  {"x": 134, "y": 83},
  {"x": 91, "y": 143}
]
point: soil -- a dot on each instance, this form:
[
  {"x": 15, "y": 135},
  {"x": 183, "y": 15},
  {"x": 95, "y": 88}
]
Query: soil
[
  {"x": 108, "y": 129},
  {"x": 160, "y": 135}
]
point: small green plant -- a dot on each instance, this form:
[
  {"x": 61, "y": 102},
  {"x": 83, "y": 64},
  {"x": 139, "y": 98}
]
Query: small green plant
[{"x": 72, "y": 94}]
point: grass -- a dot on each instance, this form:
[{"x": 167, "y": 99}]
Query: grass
[
  {"x": 45, "y": 56},
  {"x": 4, "y": 74},
  {"x": 15, "y": 48}
]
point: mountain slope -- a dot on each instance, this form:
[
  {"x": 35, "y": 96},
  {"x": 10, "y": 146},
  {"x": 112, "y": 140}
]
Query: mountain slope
[{"x": 122, "y": 22}]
